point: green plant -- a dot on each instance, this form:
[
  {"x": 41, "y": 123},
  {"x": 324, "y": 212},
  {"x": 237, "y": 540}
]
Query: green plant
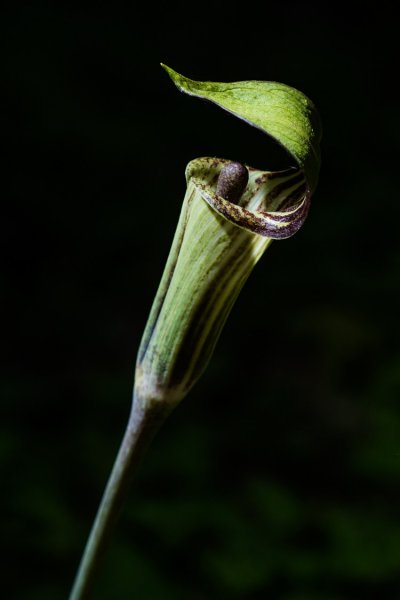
[{"x": 230, "y": 215}]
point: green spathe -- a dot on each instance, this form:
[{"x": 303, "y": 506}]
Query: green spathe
[
  {"x": 216, "y": 246},
  {"x": 277, "y": 109},
  {"x": 217, "y": 243}
]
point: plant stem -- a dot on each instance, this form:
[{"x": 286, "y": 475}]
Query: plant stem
[{"x": 141, "y": 428}]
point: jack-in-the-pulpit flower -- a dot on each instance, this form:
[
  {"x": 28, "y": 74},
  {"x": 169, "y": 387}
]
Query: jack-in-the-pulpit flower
[{"x": 230, "y": 215}]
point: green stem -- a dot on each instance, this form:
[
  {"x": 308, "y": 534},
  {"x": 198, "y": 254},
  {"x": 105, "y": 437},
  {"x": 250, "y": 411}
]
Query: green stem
[{"x": 141, "y": 428}]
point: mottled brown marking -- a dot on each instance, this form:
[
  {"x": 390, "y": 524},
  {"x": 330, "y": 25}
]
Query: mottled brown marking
[{"x": 262, "y": 178}]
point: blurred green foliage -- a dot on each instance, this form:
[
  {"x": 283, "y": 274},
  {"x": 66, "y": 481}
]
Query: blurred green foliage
[{"x": 279, "y": 477}]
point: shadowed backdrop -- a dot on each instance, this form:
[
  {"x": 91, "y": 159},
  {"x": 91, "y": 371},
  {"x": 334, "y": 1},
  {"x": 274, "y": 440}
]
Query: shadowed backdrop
[{"x": 279, "y": 475}]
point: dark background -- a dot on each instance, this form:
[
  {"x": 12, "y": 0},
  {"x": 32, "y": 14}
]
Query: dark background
[{"x": 278, "y": 477}]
